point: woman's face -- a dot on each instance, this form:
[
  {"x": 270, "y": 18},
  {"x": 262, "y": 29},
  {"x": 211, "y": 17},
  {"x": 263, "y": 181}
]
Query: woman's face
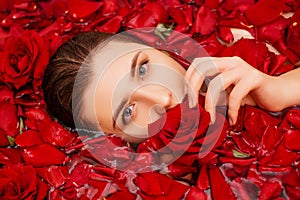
[{"x": 135, "y": 89}]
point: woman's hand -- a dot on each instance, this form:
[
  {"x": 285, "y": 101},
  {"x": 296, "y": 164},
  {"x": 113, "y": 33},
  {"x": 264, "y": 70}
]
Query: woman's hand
[{"x": 238, "y": 82}]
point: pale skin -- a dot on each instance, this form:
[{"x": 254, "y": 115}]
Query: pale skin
[
  {"x": 244, "y": 85},
  {"x": 144, "y": 98}
]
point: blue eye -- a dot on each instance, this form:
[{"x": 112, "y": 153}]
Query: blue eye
[
  {"x": 127, "y": 114},
  {"x": 143, "y": 68}
]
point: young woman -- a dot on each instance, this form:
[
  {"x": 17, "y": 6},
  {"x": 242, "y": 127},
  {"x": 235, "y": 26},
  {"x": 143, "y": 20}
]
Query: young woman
[{"x": 118, "y": 85}]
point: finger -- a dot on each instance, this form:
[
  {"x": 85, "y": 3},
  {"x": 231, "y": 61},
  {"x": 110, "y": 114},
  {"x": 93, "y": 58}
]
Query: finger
[
  {"x": 217, "y": 90},
  {"x": 205, "y": 67},
  {"x": 195, "y": 76},
  {"x": 208, "y": 66},
  {"x": 239, "y": 92}
]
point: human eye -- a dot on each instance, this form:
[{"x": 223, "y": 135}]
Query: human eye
[
  {"x": 143, "y": 69},
  {"x": 127, "y": 114}
]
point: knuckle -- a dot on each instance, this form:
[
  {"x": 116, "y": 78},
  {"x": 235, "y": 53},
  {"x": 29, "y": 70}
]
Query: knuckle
[{"x": 237, "y": 59}]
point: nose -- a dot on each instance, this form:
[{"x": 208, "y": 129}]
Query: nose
[{"x": 154, "y": 94}]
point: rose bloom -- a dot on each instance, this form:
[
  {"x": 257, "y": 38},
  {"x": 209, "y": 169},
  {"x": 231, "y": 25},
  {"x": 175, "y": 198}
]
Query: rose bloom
[
  {"x": 21, "y": 182},
  {"x": 24, "y": 59}
]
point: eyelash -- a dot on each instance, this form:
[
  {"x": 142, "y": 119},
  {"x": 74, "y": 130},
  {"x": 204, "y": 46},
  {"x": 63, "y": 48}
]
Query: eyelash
[
  {"x": 144, "y": 66},
  {"x": 124, "y": 117}
]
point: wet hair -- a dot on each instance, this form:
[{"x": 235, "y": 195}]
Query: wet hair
[{"x": 62, "y": 70}]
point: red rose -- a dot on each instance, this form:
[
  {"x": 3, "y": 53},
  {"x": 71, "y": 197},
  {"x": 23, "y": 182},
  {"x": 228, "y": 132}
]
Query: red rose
[
  {"x": 24, "y": 59},
  {"x": 21, "y": 182}
]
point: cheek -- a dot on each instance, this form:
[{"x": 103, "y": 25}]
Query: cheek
[{"x": 143, "y": 115}]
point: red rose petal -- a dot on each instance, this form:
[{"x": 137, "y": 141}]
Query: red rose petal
[
  {"x": 238, "y": 161},
  {"x": 271, "y": 138},
  {"x": 280, "y": 157},
  {"x": 10, "y": 156},
  {"x": 293, "y": 36},
  {"x": 6, "y": 94},
  {"x": 273, "y": 31},
  {"x": 225, "y": 34},
  {"x": 112, "y": 25},
  {"x": 203, "y": 181},
  {"x": 8, "y": 118},
  {"x": 42, "y": 189},
  {"x": 149, "y": 183},
  {"x": 122, "y": 195},
  {"x": 195, "y": 193},
  {"x": 293, "y": 117},
  {"x": 230, "y": 5},
  {"x": 270, "y": 189},
  {"x": 82, "y": 8},
  {"x": 43, "y": 155},
  {"x": 291, "y": 140},
  {"x": 293, "y": 193},
  {"x": 28, "y": 138},
  {"x": 145, "y": 18},
  {"x": 3, "y": 138},
  {"x": 158, "y": 11},
  {"x": 219, "y": 187},
  {"x": 265, "y": 11},
  {"x": 205, "y": 21},
  {"x": 80, "y": 175},
  {"x": 55, "y": 134},
  {"x": 177, "y": 171},
  {"x": 54, "y": 175},
  {"x": 182, "y": 15}
]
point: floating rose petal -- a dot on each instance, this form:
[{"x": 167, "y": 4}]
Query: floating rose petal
[
  {"x": 28, "y": 138},
  {"x": 55, "y": 134},
  {"x": 3, "y": 138},
  {"x": 202, "y": 180},
  {"x": 195, "y": 193},
  {"x": 290, "y": 140},
  {"x": 205, "y": 21},
  {"x": 10, "y": 156},
  {"x": 54, "y": 175},
  {"x": 43, "y": 155},
  {"x": 270, "y": 189},
  {"x": 293, "y": 36},
  {"x": 225, "y": 34},
  {"x": 112, "y": 25},
  {"x": 9, "y": 119},
  {"x": 265, "y": 11},
  {"x": 80, "y": 9},
  {"x": 219, "y": 187}
]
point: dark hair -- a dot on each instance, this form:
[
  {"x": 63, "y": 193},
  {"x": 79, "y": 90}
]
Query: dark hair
[{"x": 62, "y": 71}]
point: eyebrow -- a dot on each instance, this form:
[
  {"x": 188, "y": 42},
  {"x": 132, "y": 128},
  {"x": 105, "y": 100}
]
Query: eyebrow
[
  {"x": 124, "y": 101},
  {"x": 133, "y": 64}
]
